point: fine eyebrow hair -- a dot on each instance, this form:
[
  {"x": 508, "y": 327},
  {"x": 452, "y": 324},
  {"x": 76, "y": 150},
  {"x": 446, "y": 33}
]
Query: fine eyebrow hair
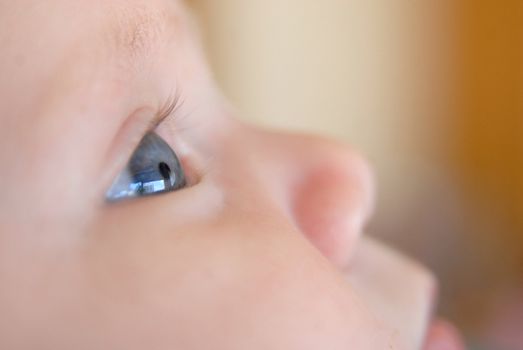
[{"x": 137, "y": 32}]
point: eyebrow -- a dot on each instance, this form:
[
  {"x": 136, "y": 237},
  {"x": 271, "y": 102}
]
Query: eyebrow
[{"x": 136, "y": 33}]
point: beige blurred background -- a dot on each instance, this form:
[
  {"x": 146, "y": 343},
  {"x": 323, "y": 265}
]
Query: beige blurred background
[{"x": 432, "y": 93}]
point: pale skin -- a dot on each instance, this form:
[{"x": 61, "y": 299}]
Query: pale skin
[{"x": 263, "y": 248}]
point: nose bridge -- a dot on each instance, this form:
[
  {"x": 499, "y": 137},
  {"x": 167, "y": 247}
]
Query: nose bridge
[{"x": 329, "y": 190}]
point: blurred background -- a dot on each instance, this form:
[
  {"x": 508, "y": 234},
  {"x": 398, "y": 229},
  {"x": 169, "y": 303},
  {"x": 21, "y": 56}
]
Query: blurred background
[{"x": 431, "y": 91}]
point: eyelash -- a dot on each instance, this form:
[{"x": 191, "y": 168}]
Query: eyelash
[{"x": 169, "y": 109}]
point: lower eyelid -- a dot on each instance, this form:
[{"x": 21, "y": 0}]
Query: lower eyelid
[{"x": 192, "y": 175}]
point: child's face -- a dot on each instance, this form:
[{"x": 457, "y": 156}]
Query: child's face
[{"x": 252, "y": 254}]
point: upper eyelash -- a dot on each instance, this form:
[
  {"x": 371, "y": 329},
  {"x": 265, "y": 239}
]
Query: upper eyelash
[{"x": 174, "y": 103}]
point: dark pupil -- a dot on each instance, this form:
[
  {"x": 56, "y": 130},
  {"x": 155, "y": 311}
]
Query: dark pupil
[{"x": 165, "y": 170}]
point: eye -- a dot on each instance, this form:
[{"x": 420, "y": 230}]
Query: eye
[{"x": 153, "y": 168}]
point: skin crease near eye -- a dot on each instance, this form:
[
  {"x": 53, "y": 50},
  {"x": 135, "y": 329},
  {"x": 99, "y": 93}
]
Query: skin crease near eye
[{"x": 263, "y": 249}]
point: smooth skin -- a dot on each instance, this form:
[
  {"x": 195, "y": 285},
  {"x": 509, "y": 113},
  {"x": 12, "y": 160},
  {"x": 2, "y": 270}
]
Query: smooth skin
[{"x": 261, "y": 251}]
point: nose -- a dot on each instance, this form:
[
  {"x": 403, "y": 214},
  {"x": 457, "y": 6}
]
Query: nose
[{"x": 327, "y": 189}]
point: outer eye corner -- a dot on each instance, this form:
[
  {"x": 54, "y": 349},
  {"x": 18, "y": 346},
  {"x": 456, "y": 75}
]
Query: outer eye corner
[{"x": 152, "y": 169}]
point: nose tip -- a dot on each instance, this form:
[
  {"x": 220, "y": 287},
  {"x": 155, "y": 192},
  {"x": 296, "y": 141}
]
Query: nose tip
[
  {"x": 325, "y": 186},
  {"x": 333, "y": 198}
]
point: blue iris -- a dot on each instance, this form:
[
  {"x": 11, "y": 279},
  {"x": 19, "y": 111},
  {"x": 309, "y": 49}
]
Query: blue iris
[{"x": 153, "y": 168}]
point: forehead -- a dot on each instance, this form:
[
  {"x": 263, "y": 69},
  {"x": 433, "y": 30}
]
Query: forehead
[{"x": 126, "y": 31}]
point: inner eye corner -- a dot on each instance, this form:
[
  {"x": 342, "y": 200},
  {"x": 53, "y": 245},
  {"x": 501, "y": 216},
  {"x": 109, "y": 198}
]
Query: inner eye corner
[{"x": 165, "y": 170}]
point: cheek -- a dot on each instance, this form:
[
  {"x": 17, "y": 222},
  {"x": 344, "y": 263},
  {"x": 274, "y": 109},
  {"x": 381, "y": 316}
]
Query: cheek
[
  {"x": 230, "y": 282},
  {"x": 240, "y": 282}
]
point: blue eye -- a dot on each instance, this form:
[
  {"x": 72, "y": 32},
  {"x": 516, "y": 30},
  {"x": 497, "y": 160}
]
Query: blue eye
[{"x": 152, "y": 169}]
